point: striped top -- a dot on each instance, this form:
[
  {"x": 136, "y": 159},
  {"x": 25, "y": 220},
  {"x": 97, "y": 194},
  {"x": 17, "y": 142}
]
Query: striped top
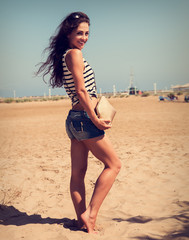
[{"x": 69, "y": 85}]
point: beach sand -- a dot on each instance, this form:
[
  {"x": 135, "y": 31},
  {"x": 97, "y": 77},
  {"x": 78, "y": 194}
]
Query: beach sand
[{"x": 149, "y": 199}]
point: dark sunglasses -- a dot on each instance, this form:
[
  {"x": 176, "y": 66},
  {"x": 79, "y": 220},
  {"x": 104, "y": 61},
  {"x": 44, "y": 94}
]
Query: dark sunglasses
[{"x": 75, "y": 16}]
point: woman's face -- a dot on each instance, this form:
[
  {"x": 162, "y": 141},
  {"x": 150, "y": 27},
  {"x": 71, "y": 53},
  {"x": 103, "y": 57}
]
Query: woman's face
[{"x": 79, "y": 36}]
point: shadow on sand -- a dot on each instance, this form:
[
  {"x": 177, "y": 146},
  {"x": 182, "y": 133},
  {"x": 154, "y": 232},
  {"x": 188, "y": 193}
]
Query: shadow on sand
[
  {"x": 182, "y": 218},
  {"x": 9, "y": 215}
]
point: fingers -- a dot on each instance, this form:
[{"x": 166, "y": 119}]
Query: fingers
[
  {"x": 109, "y": 123},
  {"x": 105, "y": 124}
]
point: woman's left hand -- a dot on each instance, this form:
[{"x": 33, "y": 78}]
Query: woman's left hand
[{"x": 103, "y": 124}]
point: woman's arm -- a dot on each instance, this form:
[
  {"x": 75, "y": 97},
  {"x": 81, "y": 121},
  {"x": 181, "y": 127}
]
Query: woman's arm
[{"x": 74, "y": 61}]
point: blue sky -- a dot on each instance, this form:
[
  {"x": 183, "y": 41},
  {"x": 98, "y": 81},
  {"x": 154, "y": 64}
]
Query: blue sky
[{"x": 149, "y": 36}]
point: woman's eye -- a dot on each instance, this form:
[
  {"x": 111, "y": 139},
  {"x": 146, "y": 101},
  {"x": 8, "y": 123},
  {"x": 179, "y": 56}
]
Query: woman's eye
[{"x": 81, "y": 33}]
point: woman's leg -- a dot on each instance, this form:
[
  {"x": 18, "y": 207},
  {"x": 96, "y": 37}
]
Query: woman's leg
[
  {"x": 103, "y": 150},
  {"x": 79, "y": 156}
]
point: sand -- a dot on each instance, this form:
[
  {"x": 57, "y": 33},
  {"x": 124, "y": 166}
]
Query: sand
[{"x": 149, "y": 199}]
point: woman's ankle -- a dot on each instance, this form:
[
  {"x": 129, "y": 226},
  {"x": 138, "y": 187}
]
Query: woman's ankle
[{"x": 89, "y": 220}]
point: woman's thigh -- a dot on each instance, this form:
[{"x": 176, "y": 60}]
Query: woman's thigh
[
  {"x": 102, "y": 149},
  {"x": 79, "y": 156}
]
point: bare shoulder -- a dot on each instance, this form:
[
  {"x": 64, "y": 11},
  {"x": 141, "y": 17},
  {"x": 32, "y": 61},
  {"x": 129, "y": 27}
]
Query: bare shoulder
[
  {"x": 74, "y": 55},
  {"x": 74, "y": 59}
]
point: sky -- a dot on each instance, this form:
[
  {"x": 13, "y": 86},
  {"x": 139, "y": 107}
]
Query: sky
[{"x": 148, "y": 37}]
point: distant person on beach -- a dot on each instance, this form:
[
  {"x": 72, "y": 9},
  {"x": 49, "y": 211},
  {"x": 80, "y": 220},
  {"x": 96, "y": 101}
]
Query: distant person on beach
[{"x": 68, "y": 68}]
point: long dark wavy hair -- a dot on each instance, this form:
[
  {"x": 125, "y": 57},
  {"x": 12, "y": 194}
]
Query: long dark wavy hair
[{"x": 58, "y": 45}]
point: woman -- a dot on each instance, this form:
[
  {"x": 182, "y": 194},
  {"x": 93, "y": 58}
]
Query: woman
[{"x": 68, "y": 68}]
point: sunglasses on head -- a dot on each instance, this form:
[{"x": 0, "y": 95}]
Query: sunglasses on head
[{"x": 75, "y": 15}]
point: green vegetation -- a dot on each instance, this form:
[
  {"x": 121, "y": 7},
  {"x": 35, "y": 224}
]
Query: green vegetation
[
  {"x": 8, "y": 100},
  {"x": 145, "y": 94},
  {"x": 31, "y": 99}
]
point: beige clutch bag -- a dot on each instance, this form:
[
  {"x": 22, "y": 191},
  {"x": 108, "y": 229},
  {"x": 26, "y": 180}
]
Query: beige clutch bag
[{"x": 105, "y": 110}]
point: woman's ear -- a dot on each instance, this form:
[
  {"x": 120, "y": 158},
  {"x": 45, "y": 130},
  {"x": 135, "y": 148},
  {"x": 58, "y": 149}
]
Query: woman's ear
[{"x": 68, "y": 36}]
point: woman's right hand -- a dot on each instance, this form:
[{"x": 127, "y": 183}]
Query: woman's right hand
[{"x": 103, "y": 124}]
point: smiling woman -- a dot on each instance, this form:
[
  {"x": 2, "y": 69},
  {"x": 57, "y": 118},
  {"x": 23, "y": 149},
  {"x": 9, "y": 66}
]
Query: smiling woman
[
  {"x": 68, "y": 68},
  {"x": 59, "y": 44}
]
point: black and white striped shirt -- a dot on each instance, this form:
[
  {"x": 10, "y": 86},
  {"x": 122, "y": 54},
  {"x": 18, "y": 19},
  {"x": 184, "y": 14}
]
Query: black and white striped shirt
[{"x": 69, "y": 85}]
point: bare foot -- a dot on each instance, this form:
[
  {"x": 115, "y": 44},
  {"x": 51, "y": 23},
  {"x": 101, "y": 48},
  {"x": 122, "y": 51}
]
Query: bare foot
[
  {"x": 88, "y": 221},
  {"x": 81, "y": 225}
]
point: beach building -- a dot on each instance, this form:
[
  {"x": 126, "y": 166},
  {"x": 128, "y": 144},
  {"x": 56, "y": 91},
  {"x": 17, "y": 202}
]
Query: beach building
[{"x": 180, "y": 88}]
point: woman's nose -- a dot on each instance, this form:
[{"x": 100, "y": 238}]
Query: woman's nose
[{"x": 84, "y": 38}]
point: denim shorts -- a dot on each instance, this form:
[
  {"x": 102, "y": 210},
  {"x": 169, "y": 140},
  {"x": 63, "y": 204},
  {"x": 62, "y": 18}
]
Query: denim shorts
[{"x": 80, "y": 127}]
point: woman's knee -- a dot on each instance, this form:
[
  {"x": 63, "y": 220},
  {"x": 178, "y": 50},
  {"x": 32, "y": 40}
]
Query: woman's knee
[{"x": 115, "y": 165}]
